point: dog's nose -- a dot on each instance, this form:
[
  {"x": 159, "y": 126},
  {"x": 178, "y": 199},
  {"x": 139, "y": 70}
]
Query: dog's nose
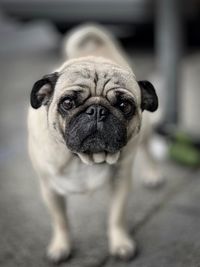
[{"x": 97, "y": 112}]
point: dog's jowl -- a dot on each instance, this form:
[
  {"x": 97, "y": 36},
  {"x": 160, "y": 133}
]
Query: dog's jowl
[{"x": 86, "y": 119}]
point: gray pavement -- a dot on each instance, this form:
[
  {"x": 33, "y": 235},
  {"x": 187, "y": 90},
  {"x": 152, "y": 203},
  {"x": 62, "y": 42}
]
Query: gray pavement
[{"x": 165, "y": 222}]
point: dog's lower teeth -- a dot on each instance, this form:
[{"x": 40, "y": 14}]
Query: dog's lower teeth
[
  {"x": 99, "y": 157},
  {"x": 112, "y": 158}
]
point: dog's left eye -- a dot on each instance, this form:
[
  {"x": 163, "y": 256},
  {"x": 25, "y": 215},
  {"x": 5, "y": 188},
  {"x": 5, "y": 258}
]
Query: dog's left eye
[
  {"x": 67, "y": 104},
  {"x": 127, "y": 107}
]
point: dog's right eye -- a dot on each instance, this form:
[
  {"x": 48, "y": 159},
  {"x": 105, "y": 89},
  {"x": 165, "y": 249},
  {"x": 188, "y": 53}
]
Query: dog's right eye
[{"x": 67, "y": 104}]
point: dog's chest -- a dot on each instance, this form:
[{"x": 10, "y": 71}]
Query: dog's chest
[{"x": 78, "y": 177}]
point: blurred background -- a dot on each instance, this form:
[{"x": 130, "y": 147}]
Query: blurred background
[{"x": 162, "y": 40}]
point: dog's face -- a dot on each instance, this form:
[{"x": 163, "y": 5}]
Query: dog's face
[{"x": 94, "y": 106}]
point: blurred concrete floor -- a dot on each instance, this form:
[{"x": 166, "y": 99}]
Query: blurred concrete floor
[{"x": 164, "y": 222}]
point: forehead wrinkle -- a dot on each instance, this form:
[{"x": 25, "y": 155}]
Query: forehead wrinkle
[
  {"x": 112, "y": 91},
  {"x": 113, "y": 82},
  {"x": 102, "y": 78},
  {"x": 83, "y": 87},
  {"x": 112, "y": 78},
  {"x": 87, "y": 76},
  {"x": 91, "y": 60},
  {"x": 78, "y": 91},
  {"x": 82, "y": 73},
  {"x": 108, "y": 89},
  {"x": 75, "y": 78}
]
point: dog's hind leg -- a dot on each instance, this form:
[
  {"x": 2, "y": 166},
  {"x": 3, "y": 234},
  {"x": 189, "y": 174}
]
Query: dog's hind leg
[
  {"x": 150, "y": 172},
  {"x": 60, "y": 246}
]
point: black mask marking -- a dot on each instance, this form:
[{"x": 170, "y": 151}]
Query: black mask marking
[{"x": 86, "y": 133}]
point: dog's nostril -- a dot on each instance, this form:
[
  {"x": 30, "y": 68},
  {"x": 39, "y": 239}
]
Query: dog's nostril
[
  {"x": 102, "y": 111},
  {"x": 91, "y": 111}
]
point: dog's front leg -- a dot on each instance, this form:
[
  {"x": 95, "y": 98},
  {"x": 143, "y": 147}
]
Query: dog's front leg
[
  {"x": 120, "y": 243},
  {"x": 60, "y": 246}
]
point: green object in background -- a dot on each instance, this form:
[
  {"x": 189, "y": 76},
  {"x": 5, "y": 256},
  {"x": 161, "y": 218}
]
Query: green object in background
[
  {"x": 183, "y": 138},
  {"x": 183, "y": 151}
]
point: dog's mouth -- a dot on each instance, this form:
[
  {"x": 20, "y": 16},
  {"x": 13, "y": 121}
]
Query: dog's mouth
[
  {"x": 100, "y": 157},
  {"x": 96, "y": 141},
  {"x": 95, "y": 149},
  {"x": 99, "y": 142}
]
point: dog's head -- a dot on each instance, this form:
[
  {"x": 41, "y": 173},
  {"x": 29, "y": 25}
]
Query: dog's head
[{"x": 94, "y": 106}]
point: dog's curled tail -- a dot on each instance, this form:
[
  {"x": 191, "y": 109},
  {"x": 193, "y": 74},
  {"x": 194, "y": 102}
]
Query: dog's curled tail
[{"x": 86, "y": 39}]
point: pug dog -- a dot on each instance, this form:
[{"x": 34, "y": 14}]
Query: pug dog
[{"x": 86, "y": 120}]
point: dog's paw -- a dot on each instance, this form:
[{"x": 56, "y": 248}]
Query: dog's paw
[
  {"x": 58, "y": 252},
  {"x": 122, "y": 247}
]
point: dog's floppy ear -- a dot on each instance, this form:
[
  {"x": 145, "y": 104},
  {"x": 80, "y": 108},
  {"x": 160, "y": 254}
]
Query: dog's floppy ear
[
  {"x": 149, "y": 99},
  {"x": 43, "y": 89}
]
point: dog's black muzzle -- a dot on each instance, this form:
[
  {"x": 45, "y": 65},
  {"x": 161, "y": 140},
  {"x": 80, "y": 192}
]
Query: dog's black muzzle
[{"x": 96, "y": 130}]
